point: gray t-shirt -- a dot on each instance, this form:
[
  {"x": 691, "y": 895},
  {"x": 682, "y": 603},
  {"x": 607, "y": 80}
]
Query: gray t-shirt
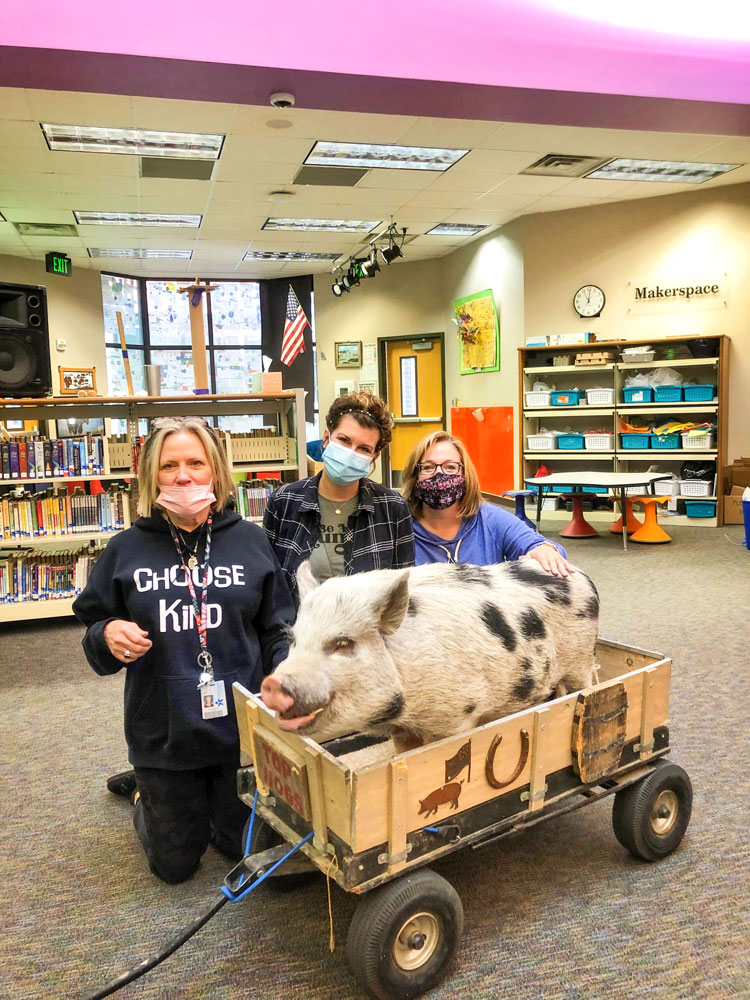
[{"x": 327, "y": 558}]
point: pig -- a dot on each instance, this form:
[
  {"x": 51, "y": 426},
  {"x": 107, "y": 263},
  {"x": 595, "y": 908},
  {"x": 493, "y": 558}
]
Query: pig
[
  {"x": 433, "y": 651},
  {"x": 446, "y": 793}
]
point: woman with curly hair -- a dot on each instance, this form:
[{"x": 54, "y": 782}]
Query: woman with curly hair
[{"x": 341, "y": 520}]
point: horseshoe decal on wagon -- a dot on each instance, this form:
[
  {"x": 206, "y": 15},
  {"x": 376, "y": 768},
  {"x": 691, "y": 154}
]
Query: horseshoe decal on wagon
[{"x": 489, "y": 764}]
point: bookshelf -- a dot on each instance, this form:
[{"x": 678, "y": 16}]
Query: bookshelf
[
  {"x": 541, "y": 364},
  {"x": 281, "y": 449}
]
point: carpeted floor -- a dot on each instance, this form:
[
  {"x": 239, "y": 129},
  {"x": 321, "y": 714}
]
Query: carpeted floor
[{"x": 561, "y": 912}]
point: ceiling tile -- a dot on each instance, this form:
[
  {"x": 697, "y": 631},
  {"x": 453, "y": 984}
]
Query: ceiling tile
[
  {"x": 673, "y": 146},
  {"x": 15, "y": 104},
  {"x": 447, "y": 133},
  {"x": 727, "y": 150},
  {"x": 22, "y": 134},
  {"x": 523, "y": 184},
  {"x": 163, "y": 115},
  {"x": 69, "y": 108},
  {"x": 535, "y": 138},
  {"x": 448, "y": 200},
  {"x": 500, "y": 161}
]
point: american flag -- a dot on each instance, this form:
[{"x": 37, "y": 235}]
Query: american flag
[{"x": 293, "y": 341}]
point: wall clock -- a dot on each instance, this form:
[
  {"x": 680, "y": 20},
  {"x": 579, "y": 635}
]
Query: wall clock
[{"x": 589, "y": 301}]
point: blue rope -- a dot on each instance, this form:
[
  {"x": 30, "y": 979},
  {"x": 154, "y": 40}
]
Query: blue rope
[{"x": 233, "y": 897}]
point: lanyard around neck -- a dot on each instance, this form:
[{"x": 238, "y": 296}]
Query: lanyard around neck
[{"x": 199, "y": 612}]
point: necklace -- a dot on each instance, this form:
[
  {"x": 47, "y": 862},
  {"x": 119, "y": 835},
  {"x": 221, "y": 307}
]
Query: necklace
[{"x": 192, "y": 553}]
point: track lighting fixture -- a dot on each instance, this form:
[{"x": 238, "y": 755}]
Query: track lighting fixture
[{"x": 387, "y": 244}]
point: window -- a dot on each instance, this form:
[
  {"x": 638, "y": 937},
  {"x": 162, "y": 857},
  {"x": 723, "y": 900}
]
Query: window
[{"x": 156, "y": 319}]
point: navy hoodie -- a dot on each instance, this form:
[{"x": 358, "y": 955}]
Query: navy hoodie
[{"x": 139, "y": 577}]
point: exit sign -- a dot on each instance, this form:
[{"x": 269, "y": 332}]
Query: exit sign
[{"x": 58, "y": 263}]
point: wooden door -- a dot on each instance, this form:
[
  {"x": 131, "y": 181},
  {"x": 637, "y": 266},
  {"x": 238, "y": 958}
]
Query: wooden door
[{"x": 414, "y": 393}]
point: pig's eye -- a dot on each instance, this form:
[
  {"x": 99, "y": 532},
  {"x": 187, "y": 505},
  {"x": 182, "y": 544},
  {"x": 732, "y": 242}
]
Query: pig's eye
[{"x": 341, "y": 644}]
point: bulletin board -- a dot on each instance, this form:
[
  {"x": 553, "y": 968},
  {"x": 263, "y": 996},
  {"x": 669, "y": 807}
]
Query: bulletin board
[{"x": 487, "y": 432}]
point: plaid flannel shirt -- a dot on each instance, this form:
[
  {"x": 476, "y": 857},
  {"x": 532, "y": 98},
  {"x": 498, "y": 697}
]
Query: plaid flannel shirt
[{"x": 379, "y": 534}]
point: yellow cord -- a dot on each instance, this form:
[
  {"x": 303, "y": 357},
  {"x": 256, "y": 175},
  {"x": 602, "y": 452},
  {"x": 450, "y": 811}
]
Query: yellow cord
[{"x": 333, "y": 862}]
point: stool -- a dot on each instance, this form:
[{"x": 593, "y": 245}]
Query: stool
[
  {"x": 578, "y": 526},
  {"x": 650, "y": 532},
  {"x": 520, "y": 497},
  {"x": 632, "y": 522}
]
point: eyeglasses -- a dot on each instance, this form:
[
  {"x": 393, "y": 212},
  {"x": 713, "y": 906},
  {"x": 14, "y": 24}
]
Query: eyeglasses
[{"x": 427, "y": 470}]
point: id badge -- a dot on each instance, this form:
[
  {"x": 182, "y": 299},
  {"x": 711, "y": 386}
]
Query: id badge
[{"x": 213, "y": 700}]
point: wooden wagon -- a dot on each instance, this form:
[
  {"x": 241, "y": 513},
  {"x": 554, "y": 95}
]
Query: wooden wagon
[{"x": 374, "y": 826}]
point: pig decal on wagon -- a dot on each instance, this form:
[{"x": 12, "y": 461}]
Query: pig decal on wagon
[{"x": 504, "y": 709}]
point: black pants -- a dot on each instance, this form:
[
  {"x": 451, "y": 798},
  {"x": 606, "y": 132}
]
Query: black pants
[{"x": 179, "y": 813}]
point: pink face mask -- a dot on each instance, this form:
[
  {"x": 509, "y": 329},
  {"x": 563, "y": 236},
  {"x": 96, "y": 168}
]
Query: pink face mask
[{"x": 185, "y": 501}]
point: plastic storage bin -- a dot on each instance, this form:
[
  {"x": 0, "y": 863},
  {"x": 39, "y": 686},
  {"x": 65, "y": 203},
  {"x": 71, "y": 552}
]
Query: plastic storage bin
[
  {"x": 598, "y": 442},
  {"x": 600, "y": 397},
  {"x": 643, "y": 357},
  {"x": 566, "y": 397},
  {"x": 541, "y": 442},
  {"x": 695, "y": 488},
  {"x": 668, "y": 394},
  {"x": 537, "y": 398},
  {"x": 699, "y": 393},
  {"x": 631, "y": 441},
  {"x": 700, "y": 508},
  {"x": 570, "y": 442},
  {"x": 703, "y": 442},
  {"x": 639, "y": 394},
  {"x": 665, "y": 441}
]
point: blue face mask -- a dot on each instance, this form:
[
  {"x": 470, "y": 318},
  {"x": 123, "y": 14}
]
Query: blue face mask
[{"x": 344, "y": 466}]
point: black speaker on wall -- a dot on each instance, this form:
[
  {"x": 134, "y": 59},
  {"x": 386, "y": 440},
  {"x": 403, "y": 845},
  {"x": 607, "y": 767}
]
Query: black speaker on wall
[{"x": 25, "y": 368}]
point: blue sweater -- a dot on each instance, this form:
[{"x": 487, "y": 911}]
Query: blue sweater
[{"x": 493, "y": 535}]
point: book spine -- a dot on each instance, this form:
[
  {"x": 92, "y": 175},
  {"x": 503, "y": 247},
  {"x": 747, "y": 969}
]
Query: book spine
[{"x": 31, "y": 459}]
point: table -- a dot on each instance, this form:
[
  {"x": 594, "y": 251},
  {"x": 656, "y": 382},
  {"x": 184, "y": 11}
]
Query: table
[{"x": 618, "y": 481}]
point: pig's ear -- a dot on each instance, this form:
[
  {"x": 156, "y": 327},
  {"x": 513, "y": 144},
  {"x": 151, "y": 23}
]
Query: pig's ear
[
  {"x": 394, "y": 603},
  {"x": 306, "y": 582}
]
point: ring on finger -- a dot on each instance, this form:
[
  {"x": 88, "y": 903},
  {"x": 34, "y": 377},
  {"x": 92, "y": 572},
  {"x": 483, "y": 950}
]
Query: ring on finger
[{"x": 127, "y": 654}]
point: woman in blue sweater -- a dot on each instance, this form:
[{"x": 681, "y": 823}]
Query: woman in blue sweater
[{"x": 451, "y": 521}]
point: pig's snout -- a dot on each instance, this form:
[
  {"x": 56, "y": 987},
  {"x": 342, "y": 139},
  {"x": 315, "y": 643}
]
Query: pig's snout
[{"x": 274, "y": 696}]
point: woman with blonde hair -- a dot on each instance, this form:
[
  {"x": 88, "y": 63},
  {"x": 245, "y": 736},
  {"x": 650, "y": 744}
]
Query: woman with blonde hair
[
  {"x": 452, "y": 523},
  {"x": 188, "y": 600}
]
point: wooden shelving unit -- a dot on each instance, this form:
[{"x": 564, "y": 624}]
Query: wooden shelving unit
[
  {"x": 284, "y": 410},
  {"x": 536, "y": 364}
]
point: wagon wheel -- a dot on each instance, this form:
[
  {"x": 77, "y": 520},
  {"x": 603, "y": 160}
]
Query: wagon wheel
[
  {"x": 264, "y": 836},
  {"x": 403, "y": 934},
  {"x": 651, "y": 816}
]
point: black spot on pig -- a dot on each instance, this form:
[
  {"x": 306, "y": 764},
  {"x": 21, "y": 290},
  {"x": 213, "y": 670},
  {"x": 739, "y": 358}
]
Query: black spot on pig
[
  {"x": 495, "y": 621},
  {"x": 392, "y": 711},
  {"x": 413, "y": 608},
  {"x": 532, "y": 626},
  {"x": 467, "y": 573},
  {"x": 557, "y": 590},
  {"x": 525, "y": 686},
  {"x": 590, "y": 609},
  {"x": 469, "y": 709}
]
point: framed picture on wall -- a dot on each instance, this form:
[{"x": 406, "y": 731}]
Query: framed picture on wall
[
  {"x": 348, "y": 354},
  {"x": 77, "y": 381}
]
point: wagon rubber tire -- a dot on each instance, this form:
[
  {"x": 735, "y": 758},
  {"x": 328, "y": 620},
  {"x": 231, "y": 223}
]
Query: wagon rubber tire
[
  {"x": 650, "y": 817},
  {"x": 264, "y": 836},
  {"x": 403, "y": 934}
]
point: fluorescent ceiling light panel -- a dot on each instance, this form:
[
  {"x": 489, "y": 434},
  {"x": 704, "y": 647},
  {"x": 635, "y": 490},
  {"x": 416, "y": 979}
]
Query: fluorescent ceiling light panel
[
  {"x": 290, "y": 255},
  {"x": 141, "y": 254},
  {"x": 139, "y": 141},
  {"x": 454, "y": 229},
  {"x": 361, "y": 154},
  {"x": 622, "y": 169},
  {"x": 321, "y": 225},
  {"x": 50, "y": 229},
  {"x": 136, "y": 219}
]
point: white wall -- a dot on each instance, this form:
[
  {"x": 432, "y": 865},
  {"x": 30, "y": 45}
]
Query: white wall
[
  {"x": 403, "y": 300},
  {"x": 74, "y": 308},
  {"x": 685, "y": 238}
]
